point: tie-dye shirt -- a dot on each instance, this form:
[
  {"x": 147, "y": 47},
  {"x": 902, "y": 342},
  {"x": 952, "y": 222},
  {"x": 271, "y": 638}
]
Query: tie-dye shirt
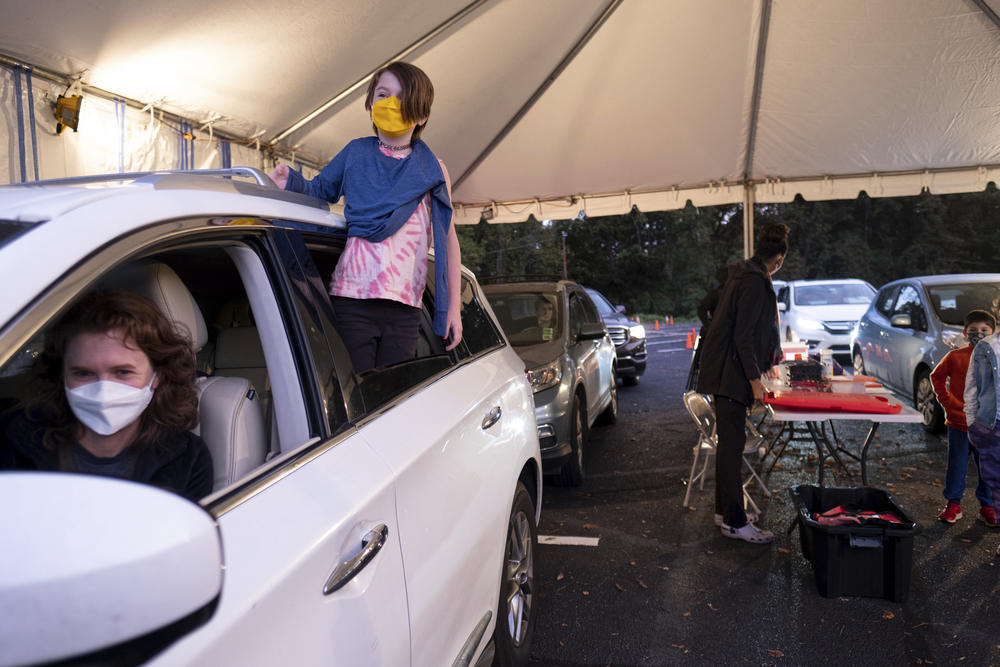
[{"x": 395, "y": 268}]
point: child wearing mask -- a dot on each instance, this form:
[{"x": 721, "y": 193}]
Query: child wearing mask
[
  {"x": 948, "y": 379},
  {"x": 397, "y": 197},
  {"x": 981, "y": 410}
]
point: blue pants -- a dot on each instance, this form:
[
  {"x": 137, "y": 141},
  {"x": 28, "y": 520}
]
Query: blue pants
[
  {"x": 958, "y": 467},
  {"x": 987, "y": 442}
]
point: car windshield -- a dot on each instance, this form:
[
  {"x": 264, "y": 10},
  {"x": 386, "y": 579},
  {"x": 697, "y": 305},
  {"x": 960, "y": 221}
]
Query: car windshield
[
  {"x": 833, "y": 294},
  {"x": 604, "y": 306},
  {"x": 528, "y": 318},
  {"x": 953, "y": 302}
]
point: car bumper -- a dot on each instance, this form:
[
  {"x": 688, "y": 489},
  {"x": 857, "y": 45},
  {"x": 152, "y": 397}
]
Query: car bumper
[
  {"x": 631, "y": 359},
  {"x": 839, "y": 343}
]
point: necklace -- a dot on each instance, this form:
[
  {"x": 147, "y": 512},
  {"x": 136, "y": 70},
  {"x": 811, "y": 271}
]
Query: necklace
[{"x": 390, "y": 147}]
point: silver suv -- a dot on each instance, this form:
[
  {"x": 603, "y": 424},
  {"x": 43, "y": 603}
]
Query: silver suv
[{"x": 570, "y": 361}]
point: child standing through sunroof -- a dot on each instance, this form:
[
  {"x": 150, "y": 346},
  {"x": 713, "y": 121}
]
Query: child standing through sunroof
[
  {"x": 397, "y": 197},
  {"x": 948, "y": 379}
]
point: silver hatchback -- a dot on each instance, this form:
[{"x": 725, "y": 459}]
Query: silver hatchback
[
  {"x": 570, "y": 361},
  {"x": 911, "y": 324}
]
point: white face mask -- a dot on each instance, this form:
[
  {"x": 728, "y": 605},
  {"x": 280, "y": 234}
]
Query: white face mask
[{"x": 107, "y": 407}]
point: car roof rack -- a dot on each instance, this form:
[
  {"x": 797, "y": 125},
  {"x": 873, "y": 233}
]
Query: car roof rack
[{"x": 194, "y": 179}]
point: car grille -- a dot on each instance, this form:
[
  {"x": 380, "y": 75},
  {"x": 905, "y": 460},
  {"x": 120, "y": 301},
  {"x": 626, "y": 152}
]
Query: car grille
[
  {"x": 839, "y": 327},
  {"x": 619, "y": 335}
]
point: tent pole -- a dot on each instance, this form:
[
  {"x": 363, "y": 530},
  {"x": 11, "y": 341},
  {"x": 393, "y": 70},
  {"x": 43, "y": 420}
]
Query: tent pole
[{"x": 748, "y": 221}]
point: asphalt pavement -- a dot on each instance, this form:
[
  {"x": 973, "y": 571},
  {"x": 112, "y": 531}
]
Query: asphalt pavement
[{"x": 662, "y": 586}]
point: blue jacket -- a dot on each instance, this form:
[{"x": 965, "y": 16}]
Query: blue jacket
[
  {"x": 381, "y": 193},
  {"x": 981, "y": 382}
]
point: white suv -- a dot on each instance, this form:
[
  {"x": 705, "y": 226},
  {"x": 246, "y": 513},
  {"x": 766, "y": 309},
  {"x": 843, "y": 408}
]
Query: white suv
[
  {"x": 387, "y": 518},
  {"x": 823, "y": 312}
]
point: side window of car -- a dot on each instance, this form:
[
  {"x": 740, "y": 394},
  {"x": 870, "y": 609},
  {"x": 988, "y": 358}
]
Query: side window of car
[
  {"x": 479, "y": 334},
  {"x": 577, "y": 315},
  {"x": 885, "y": 299},
  {"x": 250, "y": 384},
  {"x": 379, "y": 386},
  {"x": 909, "y": 303},
  {"x": 591, "y": 316},
  {"x": 783, "y": 296}
]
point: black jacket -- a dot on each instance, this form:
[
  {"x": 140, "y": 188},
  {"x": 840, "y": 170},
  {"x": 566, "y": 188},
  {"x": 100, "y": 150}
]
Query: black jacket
[
  {"x": 742, "y": 339},
  {"x": 180, "y": 462}
]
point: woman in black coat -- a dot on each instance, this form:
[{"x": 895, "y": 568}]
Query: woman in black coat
[{"x": 741, "y": 346}]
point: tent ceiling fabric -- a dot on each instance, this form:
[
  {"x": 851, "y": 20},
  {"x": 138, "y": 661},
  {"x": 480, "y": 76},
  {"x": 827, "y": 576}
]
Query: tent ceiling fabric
[{"x": 656, "y": 109}]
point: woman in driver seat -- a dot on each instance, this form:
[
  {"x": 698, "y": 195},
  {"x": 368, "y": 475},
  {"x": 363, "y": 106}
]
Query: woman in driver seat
[{"x": 112, "y": 394}]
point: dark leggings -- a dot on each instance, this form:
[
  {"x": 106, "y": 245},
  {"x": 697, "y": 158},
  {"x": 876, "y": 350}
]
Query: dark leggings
[
  {"x": 730, "y": 425},
  {"x": 377, "y": 332}
]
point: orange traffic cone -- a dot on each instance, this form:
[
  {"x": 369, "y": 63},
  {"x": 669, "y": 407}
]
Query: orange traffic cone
[
  {"x": 690, "y": 341},
  {"x": 671, "y": 320},
  {"x": 656, "y": 325}
]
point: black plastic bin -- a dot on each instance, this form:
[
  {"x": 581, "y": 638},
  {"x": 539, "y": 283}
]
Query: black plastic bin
[{"x": 856, "y": 560}]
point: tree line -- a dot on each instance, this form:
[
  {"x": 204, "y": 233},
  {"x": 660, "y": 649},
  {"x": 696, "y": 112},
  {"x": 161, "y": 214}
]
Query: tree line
[{"x": 665, "y": 261}]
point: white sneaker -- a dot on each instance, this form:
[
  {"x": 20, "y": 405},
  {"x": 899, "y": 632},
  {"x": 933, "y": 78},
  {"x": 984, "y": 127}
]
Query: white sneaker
[
  {"x": 748, "y": 533},
  {"x": 751, "y": 517}
]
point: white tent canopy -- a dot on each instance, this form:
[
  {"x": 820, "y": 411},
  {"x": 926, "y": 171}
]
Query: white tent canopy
[{"x": 545, "y": 108}]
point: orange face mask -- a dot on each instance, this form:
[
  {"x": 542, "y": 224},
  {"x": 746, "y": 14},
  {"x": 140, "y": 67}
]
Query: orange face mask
[{"x": 387, "y": 115}]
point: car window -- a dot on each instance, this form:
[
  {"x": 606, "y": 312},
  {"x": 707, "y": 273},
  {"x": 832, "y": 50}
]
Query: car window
[
  {"x": 909, "y": 303},
  {"x": 528, "y": 317},
  {"x": 379, "y": 386},
  {"x": 479, "y": 334},
  {"x": 953, "y": 302},
  {"x": 577, "y": 314},
  {"x": 219, "y": 293},
  {"x": 604, "y": 306},
  {"x": 590, "y": 311},
  {"x": 783, "y": 295},
  {"x": 833, "y": 294},
  {"x": 885, "y": 300}
]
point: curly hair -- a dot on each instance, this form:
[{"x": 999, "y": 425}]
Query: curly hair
[
  {"x": 418, "y": 93},
  {"x": 141, "y": 324}
]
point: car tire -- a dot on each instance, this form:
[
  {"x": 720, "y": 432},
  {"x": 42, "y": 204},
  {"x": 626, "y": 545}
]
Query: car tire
[
  {"x": 610, "y": 414},
  {"x": 516, "y": 611},
  {"x": 858, "y": 362},
  {"x": 630, "y": 381},
  {"x": 572, "y": 471},
  {"x": 927, "y": 404}
]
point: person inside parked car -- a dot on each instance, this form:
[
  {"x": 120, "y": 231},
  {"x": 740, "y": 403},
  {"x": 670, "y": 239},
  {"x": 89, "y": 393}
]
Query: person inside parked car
[
  {"x": 948, "y": 379},
  {"x": 741, "y": 346},
  {"x": 398, "y": 197},
  {"x": 545, "y": 312},
  {"x": 113, "y": 394}
]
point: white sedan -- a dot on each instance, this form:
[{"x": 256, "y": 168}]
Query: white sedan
[{"x": 384, "y": 518}]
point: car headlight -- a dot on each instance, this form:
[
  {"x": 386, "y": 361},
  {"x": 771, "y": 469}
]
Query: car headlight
[
  {"x": 545, "y": 376},
  {"x": 804, "y": 323},
  {"x": 637, "y": 331},
  {"x": 953, "y": 337}
]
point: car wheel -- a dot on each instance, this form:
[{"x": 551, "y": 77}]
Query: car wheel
[
  {"x": 610, "y": 414},
  {"x": 516, "y": 611},
  {"x": 630, "y": 381},
  {"x": 572, "y": 471},
  {"x": 859, "y": 363},
  {"x": 926, "y": 402}
]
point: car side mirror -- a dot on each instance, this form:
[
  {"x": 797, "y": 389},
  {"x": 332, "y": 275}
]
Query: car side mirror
[
  {"x": 113, "y": 561},
  {"x": 902, "y": 321},
  {"x": 620, "y": 309},
  {"x": 782, "y": 306},
  {"x": 591, "y": 331}
]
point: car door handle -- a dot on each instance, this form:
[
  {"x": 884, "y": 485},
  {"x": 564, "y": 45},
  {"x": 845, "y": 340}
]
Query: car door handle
[
  {"x": 371, "y": 544},
  {"x": 492, "y": 417}
]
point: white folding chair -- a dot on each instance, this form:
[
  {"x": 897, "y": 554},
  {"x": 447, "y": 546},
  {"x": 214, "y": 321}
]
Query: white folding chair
[{"x": 703, "y": 414}]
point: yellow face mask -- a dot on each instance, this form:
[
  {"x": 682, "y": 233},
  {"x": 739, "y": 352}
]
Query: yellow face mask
[{"x": 388, "y": 117}]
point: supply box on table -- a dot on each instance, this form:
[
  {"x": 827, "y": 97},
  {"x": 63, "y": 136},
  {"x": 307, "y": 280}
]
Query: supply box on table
[{"x": 856, "y": 559}]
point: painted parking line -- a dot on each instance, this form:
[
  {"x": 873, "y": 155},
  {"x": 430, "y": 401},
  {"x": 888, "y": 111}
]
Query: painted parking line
[{"x": 568, "y": 540}]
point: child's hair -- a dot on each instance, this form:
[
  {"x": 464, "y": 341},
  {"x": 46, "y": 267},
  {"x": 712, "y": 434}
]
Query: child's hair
[
  {"x": 418, "y": 93},
  {"x": 981, "y": 316},
  {"x": 773, "y": 241}
]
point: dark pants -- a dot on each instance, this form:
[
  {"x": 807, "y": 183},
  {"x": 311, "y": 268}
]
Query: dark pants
[
  {"x": 987, "y": 441},
  {"x": 730, "y": 426},
  {"x": 377, "y": 332}
]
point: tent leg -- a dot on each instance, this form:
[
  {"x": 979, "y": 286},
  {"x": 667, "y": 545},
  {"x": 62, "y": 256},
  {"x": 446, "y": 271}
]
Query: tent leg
[{"x": 748, "y": 221}]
